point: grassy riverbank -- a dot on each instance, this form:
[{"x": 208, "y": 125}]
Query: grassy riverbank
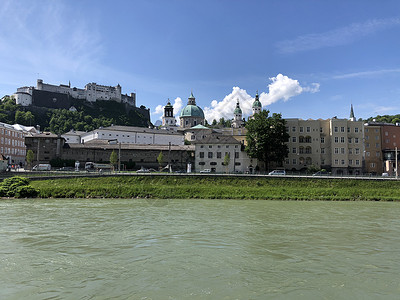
[{"x": 210, "y": 187}]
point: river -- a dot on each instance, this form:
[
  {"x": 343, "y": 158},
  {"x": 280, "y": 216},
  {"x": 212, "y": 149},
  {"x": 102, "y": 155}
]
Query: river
[{"x": 198, "y": 249}]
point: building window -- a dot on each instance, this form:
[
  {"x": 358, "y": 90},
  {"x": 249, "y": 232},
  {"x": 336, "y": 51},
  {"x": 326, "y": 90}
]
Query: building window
[
  {"x": 209, "y": 146},
  {"x": 342, "y": 150},
  {"x": 201, "y": 154},
  {"x": 372, "y": 165},
  {"x": 322, "y": 150},
  {"x": 356, "y": 129},
  {"x": 210, "y": 155},
  {"x": 336, "y": 161},
  {"x": 350, "y": 162},
  {"x": 322, "y": 140},
  {"x": 356, "y": 140},
  {"x": 294, "y": 139},
  {"x": 342, "y": 129},
  {"x": 308, "y": 129},
  {"x": 218, "y": 154},
  {"x": 336, "y": 139},
  {"x": 294, "y": 161},
  {"x": 350, "y": 151},
  {"x": 336, "y": 129},
  {"x": 357, "y": 151},
  {"x": 336, "y": 150},
  {"x": 342, "y": 161},
  {"x": 357, "y": 162},
  {"x": 301, "y": 129},
  {"x": 342, "y": 139},
  {"x": 293, "y": 150},
  {"x": 294, "y": 129},
  {"x": 349, "y": 140},
  {"x": 367, "y": 153},
  {"x": 236, "y": 154},
  {"x": 377, "y": 154},
  {"x": 202, "y": 163}
]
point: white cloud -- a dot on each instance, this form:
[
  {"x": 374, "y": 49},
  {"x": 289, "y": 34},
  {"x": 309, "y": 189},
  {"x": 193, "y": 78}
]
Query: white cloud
[
  {"x": 366, "y": 73},
  {"x": 281, "y": 88},
  {"x": 336, "y": 37}
]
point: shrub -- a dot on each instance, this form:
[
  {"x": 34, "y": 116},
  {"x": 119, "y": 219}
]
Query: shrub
[
  {"x": 17, "y": 187},
  {"x": 26, "y": 191}
]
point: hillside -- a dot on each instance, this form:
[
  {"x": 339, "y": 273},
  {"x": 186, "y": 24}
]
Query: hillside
[{"x": 88, "y": 116}]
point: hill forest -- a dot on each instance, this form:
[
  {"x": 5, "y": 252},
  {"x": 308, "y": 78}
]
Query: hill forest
[{"x": 87, "y": 117}]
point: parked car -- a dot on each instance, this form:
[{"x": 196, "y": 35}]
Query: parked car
[
  {"x": 205, "y": 171},
  {"x": 66, "y": 169},
  {"x": 143, "y": 170},
  {"x": 321, "y": 173},
  {"x": 385, "y": 174},
  {"x": 277, "y": 172}
]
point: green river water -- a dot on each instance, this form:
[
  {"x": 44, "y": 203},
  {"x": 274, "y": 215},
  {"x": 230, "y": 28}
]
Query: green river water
[{"x": 198, "y": 249}]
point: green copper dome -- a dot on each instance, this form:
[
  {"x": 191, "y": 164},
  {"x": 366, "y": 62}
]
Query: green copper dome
[
  {"x": 237, "y": 110},
  {"x": 192, "y": 111},
  {"x": 257, "y": 102}
]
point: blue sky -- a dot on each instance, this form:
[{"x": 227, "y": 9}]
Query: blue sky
[{"x": 307, "y": 59}]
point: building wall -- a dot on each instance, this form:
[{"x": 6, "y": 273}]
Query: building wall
[
  {"x": 188, "y": 122},
  {"x": 373, "y": 149},
  {"x": 335, "y": 144},
  {"x": 304, "y": 144},
  {"x": 12, "y": 144},
  {"x": 91, "y": 93},
  {"x": 211, "y": 156},
  {"x": 141, "y": 136},
  {"x": 45, "y": 146}
]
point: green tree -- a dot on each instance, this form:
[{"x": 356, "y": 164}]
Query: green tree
[
  {"x": 227, "y": 160},
  {"x": 114, "y": 158},
  {"x": 160, "y": 159},
  {"x": 266, "y": 138},
  {"x": 30, "y": 156}
]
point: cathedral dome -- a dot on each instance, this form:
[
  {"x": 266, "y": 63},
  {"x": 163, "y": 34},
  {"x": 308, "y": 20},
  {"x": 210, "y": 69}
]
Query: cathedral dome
[{"x": 192, "y": 111}]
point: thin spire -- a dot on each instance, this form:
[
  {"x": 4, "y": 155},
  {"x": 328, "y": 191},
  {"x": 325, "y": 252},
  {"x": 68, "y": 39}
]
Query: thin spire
[{"x": 352, "y": 117}]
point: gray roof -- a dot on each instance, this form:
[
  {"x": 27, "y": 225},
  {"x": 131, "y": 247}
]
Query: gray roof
[{"x": 138, "y": 129}]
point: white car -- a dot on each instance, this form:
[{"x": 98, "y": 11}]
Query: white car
[
  {"x": 205, "y": 171},
  {"x": 277, "y": 172}
]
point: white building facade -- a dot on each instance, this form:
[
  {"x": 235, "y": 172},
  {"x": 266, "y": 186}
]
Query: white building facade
[
  {"x": 210, "y": 154},
  {"x": 135, "y": 135}
]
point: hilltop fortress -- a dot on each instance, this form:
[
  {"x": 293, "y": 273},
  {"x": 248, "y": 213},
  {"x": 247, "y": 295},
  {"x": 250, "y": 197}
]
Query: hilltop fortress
[{"x": 53, "y": 96}]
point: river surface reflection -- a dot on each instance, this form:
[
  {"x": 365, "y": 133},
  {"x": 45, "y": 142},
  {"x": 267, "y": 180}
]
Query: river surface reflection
[{"x": 198, "y": 249}]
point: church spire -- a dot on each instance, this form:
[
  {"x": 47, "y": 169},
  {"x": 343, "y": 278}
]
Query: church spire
[{"x": 352, "y": 117}]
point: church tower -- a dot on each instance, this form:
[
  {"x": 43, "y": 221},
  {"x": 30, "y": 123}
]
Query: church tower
[
  {"x": 352, "y": 117},
  {"x": 237, "y": 119},
  {"x": 168, "y": 118},
  {"x": 257, "y": 106}
]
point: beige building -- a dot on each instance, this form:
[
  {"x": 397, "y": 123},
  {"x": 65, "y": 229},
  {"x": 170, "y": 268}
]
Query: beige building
[{"x": 332, "y": 144}]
